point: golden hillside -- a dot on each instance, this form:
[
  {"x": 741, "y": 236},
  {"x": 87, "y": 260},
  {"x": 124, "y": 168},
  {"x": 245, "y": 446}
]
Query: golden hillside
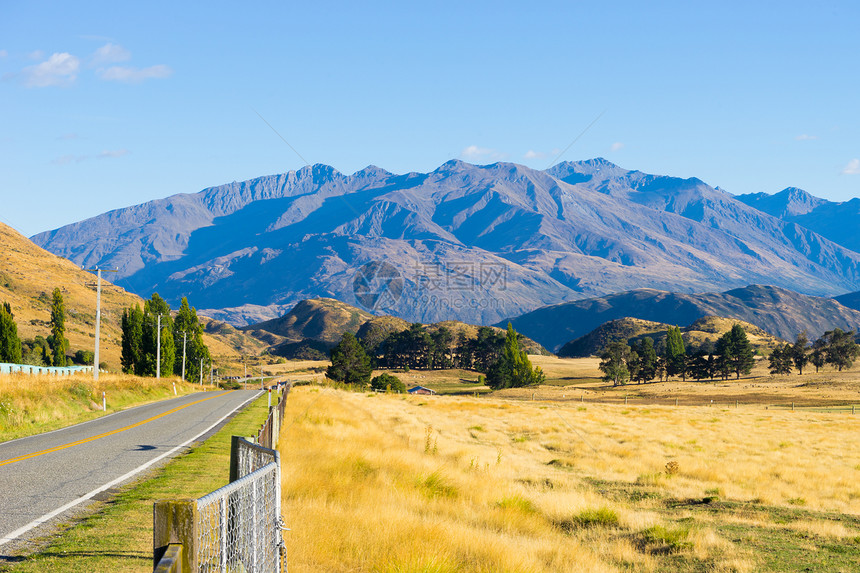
[{"x": 28, "y": 276}]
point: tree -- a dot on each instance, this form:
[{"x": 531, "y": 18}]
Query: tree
[
  {"x": 800, "y": 352},
  {"x": 614, "y": 362},
  {"x": 388, "y": 383},
  {"x": 85, "y": 357},
  {"x": 781, "y": 359},
  {"x": 701, "y": 365},
  {"x": 841, "y": 350},
  {"x": 442, "y": 354},
  {"x": 152, "y": 309},
  {"x": 676, "y": 355},
  {"x": 58, "y": 342},
  {"x": 513, "y": 369},
  {"x": 10, "y": 344},
  {"x": 818, "y": 356},
  {"x": 131, "y": 357},
  {"x": 187, "y": 326},
  {"x": 489, "y": 346},
  {"x": 350, "y": 364},
  {"x": 739, "y": 353},
  {"x": 646, "y": 363}
]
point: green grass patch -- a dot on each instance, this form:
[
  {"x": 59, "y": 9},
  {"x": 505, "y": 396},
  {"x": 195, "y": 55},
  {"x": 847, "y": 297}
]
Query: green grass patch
[
  {"x": 118, "y": 537},
  {"x": 668, "y": 539},
  {"x": 517, "y": 503},
  {"x": 435, "y": 485}
]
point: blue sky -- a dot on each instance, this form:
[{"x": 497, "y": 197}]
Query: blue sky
[{"x": 106, "y": 105}]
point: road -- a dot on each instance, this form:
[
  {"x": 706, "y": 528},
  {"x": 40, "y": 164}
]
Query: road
[{"x": 43, "y": 476}]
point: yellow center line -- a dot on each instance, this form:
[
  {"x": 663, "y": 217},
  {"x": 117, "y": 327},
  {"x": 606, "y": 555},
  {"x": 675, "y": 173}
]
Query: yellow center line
[{"x": 106, "y": 434}]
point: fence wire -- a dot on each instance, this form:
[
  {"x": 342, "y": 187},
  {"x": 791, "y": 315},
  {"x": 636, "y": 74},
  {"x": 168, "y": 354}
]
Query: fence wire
[{"x": 239, "y": 526}]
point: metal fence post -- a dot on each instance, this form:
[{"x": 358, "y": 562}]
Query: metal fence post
[{"x": 175, "y": 521}]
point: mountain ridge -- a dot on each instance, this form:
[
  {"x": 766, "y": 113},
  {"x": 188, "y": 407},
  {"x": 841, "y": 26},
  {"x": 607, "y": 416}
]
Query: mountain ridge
[{"x": 474, "y": 243}]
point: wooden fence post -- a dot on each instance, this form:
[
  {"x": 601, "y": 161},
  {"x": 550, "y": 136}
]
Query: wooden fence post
[
  {"x": 175, "y": 521},
  {"x": 234, "y": 458}
]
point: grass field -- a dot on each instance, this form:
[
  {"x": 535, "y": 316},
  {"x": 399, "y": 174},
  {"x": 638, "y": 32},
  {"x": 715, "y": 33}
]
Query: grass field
[
  {"x": 34, "y": 404},
  {"x": 385, "y": 483}
]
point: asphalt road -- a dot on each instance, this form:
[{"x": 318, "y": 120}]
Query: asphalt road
[{"x": 45, "y": 475}]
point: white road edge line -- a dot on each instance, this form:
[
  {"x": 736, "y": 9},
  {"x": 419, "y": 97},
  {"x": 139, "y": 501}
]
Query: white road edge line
[{"x": 48, "y": 516}]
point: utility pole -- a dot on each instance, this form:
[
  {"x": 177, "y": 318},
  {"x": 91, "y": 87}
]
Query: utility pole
[
  {"x": 158, "y": 351},
  {"x": 98, "y": 317},
  {"x": 201, "y": 372},
  {"x": 184, "y": 338}
]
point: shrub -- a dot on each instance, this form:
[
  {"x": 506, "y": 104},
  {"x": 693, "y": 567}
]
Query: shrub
[
  {"x": 84, "y": 357},
  {"x": 388, "y": 383}
]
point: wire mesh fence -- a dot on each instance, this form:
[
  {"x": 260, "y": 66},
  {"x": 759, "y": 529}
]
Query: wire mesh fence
[{"x": 238, "y": 526}]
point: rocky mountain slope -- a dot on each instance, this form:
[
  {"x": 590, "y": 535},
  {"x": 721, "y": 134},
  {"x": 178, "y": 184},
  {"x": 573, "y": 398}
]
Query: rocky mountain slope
[
  {"x": 839, "y": 222},
  {"x": 777, "y": 311},
  {"x": 465, "y": 242}
]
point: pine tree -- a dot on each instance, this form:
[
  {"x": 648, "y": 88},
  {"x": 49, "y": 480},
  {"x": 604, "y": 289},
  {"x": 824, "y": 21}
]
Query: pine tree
[
  {"x": 152, "y": 309},
  {"x": 781, "y": 359},
  {"x": 131, "y": 357},
  {"x": 513, "y": 369},
  {"x": 58, "y": 329},
  {"x": 737, "y": 351},
  {"x": 614, "y": 362},
  {"x": 186, "y": 324},
  {"x": 800, "y": 352},
  {"x": 10, "y": 344},
  {"x": 646, "y": 364},
  {"x": 676, "y": 355},
  {"x": 350, "y": 364},
  {"x": 840, "y": 348}
]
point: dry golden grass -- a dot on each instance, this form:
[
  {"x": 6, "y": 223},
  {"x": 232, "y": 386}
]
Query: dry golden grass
[
  {"x": 388, "y": 483},
  {"x": 34, "y": 404}
]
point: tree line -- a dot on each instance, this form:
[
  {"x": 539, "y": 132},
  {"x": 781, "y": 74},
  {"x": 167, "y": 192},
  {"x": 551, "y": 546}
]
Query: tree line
[
  {"x": 731, "y": 354},
  {"x": 140, "y": 339},
  {"x": 496, "y": 354},
  {"x": 835, "y": 347},
  {"x": 39, "y": 351}
]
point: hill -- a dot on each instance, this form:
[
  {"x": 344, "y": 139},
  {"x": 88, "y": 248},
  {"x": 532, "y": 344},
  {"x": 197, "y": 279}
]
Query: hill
[
  {"x": 322, "y": 319},
  {"x": 463, "y": 242},
  {"x": 779, "y": 312},
  {"x": 313, "y": 326},
  {"x": 28, "y": 276},
  {"x": 706, "y": 329},
  {"x": 851, "y": 300}
]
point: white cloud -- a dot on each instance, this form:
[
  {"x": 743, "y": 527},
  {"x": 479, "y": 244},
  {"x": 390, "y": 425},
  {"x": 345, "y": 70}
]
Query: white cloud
[
  {"x": 532, "y": 154},
  {"x": 36, "y": 55},
  {"x": 60, "y": 69},
  {"x": 110, "y": 54},
  {"x": 806, "y": 137},
  {"x": 475, "y": 153},
  {"x": 131, "y": 75},
  {"x": 617, "y": 146},
  {"x": 853, "y": 168},
  {"x": 112, "y": 153}
]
